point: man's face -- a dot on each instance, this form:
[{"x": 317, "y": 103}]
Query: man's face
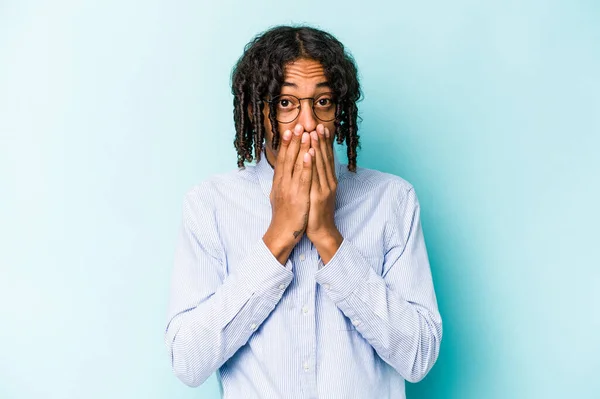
[{"x": 302, "y": 78}]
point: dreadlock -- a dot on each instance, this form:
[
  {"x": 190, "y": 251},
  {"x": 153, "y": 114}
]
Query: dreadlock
[{"x": 259, "y": 73}]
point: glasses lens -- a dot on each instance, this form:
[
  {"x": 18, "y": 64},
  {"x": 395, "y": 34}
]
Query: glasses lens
[
  {"x": 324, "y": 107},
  {"x": 287, "y": 108}
]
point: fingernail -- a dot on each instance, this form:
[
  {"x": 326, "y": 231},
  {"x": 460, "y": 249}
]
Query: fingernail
[
  {"x": 287, "y": 134},
  {"x": 326, "y": 132},
  {"x": 312, "y": 151},
  {"x": 306, "y": 157},
  {"x": 304, "y": 138},
  {"x": 314, "y": 135},
  {"x": 298, "y": 130},
  {"x": 320, "y": 129}
]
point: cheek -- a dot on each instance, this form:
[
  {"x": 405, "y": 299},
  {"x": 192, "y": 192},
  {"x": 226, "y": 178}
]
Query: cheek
[
  {"x": 267, "y": 124},
  {"x": 268, "y": 128},
  {"x": 331, "y": 127},
  {"x": 280, "y": 128}
]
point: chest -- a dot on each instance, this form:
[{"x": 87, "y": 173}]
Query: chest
[{"x": 363, "y": 221}]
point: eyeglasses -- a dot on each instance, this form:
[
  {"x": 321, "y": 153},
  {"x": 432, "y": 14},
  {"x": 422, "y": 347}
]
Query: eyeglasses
[{"x": 287, "y": 107}]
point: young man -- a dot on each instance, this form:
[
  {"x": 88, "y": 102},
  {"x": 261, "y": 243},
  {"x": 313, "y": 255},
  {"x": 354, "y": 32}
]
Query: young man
[{"x": 301, "y": 277}]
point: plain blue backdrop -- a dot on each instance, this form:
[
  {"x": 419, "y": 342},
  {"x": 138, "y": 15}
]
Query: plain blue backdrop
[{"x": 111, "y": 110}]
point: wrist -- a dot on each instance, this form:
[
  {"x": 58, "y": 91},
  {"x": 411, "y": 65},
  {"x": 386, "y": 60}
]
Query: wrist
[
  {"x": 280, "y": 248},
  {"x": 328, "y": 244}
]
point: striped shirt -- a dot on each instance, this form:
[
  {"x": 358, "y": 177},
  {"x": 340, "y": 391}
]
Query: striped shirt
[{"x": 357, "y": 327}]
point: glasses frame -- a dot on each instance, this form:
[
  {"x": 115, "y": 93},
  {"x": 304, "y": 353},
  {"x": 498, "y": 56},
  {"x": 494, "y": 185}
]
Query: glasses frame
[{"x": 299, "y": 108}]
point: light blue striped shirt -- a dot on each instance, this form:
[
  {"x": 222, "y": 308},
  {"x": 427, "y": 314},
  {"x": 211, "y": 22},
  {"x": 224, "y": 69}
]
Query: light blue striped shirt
[{"x": 357, "y": 327}]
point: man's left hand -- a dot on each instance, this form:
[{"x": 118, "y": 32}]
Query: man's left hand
[{"x": 321, "y": 228}]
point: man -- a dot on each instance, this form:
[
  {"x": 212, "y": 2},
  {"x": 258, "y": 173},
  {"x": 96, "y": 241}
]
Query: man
[{"x": 301, "y": 277}]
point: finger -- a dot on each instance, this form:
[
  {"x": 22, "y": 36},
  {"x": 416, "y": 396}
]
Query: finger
[
  {"x": 326, "y": 155},
  {"x": 292, "y": 152},
  {"x": 315, "y": 185},
  {"x": 329, "y": 140},
  {"x": 283, "y": 147},
  {"x": 304, "y": 146},
  {"x": 318, "y": 161},
  {"x": 305, "y": 179}
]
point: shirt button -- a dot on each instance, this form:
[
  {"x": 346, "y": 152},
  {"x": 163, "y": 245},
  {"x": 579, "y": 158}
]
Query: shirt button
[
  {"x": 304, "y": 309},
  {"x": 355, "y": 322},
  {"x": 302, "y": 256},
  {"x": 253, "y": 327},
  {"x": 326, "y": 286},
  {"x": 281, "y": 286},
  {"x": 306, "y": 367}
]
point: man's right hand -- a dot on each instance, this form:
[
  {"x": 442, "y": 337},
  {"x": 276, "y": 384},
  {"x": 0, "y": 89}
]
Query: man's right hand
[{"x": 290, "y": 194}]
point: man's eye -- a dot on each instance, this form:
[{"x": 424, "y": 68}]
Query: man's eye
[
  {"x": 284, "y": 103},
  {"x": 324, "y": 102}
]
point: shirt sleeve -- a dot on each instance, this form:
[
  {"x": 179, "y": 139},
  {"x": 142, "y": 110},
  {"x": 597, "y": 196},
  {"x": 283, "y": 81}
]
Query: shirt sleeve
[
  {"x": 396, "y": 312},
  {"x": 212, "y": 313}
]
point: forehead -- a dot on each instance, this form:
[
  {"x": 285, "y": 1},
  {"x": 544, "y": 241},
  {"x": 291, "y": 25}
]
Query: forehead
[{"x": 304, "y": 69}]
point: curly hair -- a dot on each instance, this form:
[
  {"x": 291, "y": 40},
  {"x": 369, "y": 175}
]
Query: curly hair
[{"x": 260, "y": 72}]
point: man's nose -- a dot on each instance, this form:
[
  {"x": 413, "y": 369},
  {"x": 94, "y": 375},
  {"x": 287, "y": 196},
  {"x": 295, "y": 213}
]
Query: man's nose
[{"x": 307, "y": 118}]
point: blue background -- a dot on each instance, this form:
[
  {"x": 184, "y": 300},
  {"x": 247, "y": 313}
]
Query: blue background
[{"x": 110, "y": 111}]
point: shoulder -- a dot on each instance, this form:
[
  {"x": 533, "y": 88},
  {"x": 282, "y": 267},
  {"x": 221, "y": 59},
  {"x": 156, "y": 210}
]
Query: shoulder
[
  {"x": 377, "y": 183},
  {"x": 228, "y": 183}
]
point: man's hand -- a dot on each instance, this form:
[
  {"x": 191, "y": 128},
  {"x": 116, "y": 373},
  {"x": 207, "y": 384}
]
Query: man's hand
[
  {"x": 321, "y": 229},
  {"x": 290, "y": 194}
]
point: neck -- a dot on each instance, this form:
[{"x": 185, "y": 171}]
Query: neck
[{"x": 270, "y": 157}]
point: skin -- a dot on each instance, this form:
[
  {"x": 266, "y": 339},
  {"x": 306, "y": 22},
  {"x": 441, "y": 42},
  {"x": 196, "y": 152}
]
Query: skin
[{"x": 304, "y": 181}]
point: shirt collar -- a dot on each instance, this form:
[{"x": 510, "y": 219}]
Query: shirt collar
[{"x": 265, "y": 171}]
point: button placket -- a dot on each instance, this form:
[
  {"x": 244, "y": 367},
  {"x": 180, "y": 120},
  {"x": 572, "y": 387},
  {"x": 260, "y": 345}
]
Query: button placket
[{"x": 305, "y": 299}]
